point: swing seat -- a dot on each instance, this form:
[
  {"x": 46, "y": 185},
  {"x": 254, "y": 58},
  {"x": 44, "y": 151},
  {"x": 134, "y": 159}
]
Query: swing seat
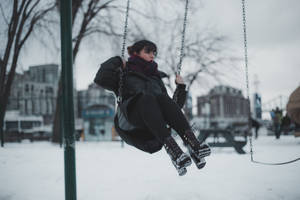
[{"x": 131, "y": 138}]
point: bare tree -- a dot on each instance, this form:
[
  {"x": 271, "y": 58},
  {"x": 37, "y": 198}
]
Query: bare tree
[
  {"x": 92, "y": 17},
  {"x": 20, "y": 19},
  {"x": 204, "y": 53}
]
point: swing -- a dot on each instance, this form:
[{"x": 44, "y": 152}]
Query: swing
[{"x": 248, "y": 95}]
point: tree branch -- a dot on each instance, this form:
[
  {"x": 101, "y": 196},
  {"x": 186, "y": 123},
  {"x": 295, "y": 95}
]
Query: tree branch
[{"x": 3, "y": 14}]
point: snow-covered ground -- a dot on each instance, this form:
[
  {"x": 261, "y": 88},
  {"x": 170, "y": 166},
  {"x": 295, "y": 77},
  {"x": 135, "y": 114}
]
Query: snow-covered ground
[{"x": 35, "y": 171}]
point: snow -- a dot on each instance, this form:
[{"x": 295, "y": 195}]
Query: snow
[{"x": 34, "y": 171}]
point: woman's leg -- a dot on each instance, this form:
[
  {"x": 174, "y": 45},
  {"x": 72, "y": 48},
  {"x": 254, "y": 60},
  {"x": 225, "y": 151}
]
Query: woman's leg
[
  {"x": 173, "y": 114},
  {"x": 176, "y": 119},
  {"x": 147, "y": 112}
]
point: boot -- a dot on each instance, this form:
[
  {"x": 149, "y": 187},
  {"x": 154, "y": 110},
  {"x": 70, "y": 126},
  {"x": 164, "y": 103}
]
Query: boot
[
  {"x": 200, "y": 163},
  {"x": 197, "y": 151},
  {"x": 179, "y": 159}
]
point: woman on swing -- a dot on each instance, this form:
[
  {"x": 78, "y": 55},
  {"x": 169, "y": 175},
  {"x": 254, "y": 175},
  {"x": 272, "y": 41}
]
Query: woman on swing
[{"x": 146, "y": 108}]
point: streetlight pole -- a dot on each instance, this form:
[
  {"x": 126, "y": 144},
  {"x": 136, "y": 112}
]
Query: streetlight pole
[{"x": 67, "y": 95}]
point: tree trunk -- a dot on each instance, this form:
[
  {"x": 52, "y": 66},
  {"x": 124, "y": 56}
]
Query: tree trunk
[{"x": 2, "y": 114}]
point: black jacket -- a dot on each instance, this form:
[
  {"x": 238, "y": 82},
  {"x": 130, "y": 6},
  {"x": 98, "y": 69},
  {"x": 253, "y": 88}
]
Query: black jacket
[{"x": 135, "y": 85}]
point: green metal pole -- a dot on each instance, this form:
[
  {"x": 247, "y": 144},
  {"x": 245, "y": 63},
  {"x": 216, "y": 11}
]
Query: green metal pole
[
  {"x": 67, "y": 95},
  {"x": 61, "y": 120}
]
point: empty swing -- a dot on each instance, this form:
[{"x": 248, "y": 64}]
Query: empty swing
[{"x": 248, "y": 95}]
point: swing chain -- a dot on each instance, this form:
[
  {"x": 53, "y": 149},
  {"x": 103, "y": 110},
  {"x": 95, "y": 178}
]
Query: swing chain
[
  {"x": 125, "y": 30},
  {"x": 119, "y": 98},
  {"x": 247, "y": 77},
  {"x": 182, "y": 38},
  {"x": 121, "y": 83}
]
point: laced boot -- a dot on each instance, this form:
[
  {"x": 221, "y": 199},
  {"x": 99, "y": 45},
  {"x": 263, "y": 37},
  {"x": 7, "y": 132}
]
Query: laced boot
[
  {"x": 200, "y": 163},
  {"x": 179, "y": 159},
  {"x": 197, "y": 151}
]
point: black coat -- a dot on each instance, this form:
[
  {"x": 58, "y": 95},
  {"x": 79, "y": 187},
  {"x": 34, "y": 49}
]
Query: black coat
[{"x": 135, "y": 85}]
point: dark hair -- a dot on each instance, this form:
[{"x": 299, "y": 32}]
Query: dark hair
[{"x": 137, "y": 47}]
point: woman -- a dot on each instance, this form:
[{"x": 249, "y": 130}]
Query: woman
[{"x": 146, "y": 108}]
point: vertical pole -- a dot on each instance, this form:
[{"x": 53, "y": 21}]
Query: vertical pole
[
  {"x": 61, "y": 120},
  {"x": 67, "y": 95},
  {"x": 2, "y": 115}
]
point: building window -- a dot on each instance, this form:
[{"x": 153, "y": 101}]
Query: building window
[
  {"x": 26, "y": 124},
  {"x": 26, "y": 88}
]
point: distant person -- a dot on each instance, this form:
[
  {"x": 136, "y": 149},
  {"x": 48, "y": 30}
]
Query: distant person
[
  {"x": 256, "y": 125},
  {"x": 277, "y": 121},
  {"x": 293, "y": 109}
]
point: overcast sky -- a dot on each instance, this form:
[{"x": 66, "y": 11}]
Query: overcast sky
[
  {"x": 273, "y": 43},
  {"x": 273, "y": 40}
]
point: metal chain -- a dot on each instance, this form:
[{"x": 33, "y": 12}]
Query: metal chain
[
  {"x": 248, "y": 94},
  {"x": 122, "y": 73},
  {"x": 247, "y": 77},
  {"x": 125, "y": 30},
  {"x": 182, "y": 38},
  {"x": 121, "y": 84}
]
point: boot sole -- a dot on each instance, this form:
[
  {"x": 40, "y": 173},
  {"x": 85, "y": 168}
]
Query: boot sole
[
  {"x": 182, "y": 170},
  {"x": 201, "y": 154},
  {"x": 200, "y": 163}
]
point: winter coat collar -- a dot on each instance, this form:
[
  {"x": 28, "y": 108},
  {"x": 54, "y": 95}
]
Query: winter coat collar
[{"x": 138, "y": 64}]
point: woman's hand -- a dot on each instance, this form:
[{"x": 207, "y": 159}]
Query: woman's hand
[{"x": 179, "y": 79}]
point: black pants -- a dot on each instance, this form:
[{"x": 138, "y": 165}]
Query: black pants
[{"x": 155, "y": 112}]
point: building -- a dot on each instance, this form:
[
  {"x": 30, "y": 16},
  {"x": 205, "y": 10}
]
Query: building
[
  {"x": 98, "y": 122},
  {"x": 257, "y": 107},
  {"x": 34, "y": 92},
  {"x": 93, "y": 95},
  {"x": 222, "y": 106},
  {"x": 188, "y": 107},
  {"x": 96, "y": 107}
]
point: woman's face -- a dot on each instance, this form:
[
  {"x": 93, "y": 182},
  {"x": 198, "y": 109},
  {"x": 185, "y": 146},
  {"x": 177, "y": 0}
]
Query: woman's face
[{"x": 147, "y": 55}]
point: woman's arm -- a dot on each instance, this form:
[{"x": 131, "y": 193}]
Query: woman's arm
[{"x": 180, "y": 93}]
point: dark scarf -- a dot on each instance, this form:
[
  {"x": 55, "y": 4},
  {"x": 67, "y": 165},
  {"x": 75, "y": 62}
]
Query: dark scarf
[{"x": 138, "y": 64}]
